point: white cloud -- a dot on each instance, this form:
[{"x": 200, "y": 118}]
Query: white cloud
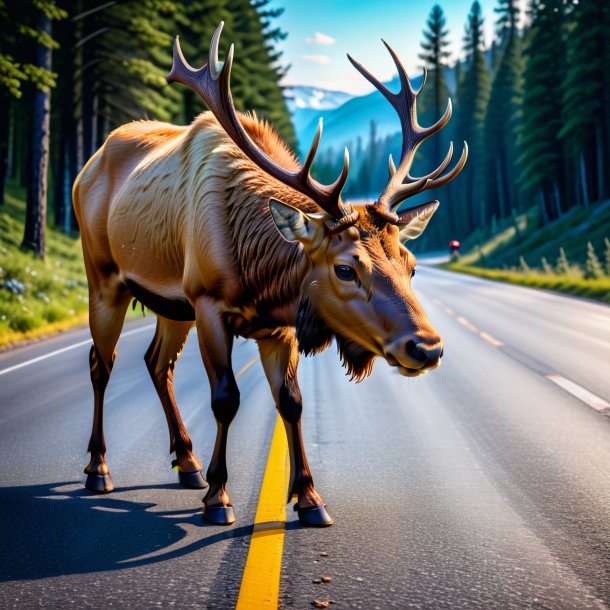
[
  {"x": 320, "y": 38},
  {"x": 317, "y": 59}
]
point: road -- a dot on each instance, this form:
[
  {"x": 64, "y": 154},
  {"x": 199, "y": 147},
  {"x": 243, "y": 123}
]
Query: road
[{"x": 485, "y": 484}]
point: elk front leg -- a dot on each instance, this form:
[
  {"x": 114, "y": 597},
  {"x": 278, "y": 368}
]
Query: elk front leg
[
  {"x": 216, "y": 344},
  {"x": 105, "y": 321},
  {"x": 160, "y": 359},
  {"x": 280, "y": 358}
]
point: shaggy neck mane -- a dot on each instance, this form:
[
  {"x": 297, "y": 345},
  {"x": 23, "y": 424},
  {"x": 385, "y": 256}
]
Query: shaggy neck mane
[{"x": 271, "y": 270}]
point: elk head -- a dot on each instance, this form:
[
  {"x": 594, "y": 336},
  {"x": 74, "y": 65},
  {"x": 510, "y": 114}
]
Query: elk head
[{"x": 358, "y": 285}]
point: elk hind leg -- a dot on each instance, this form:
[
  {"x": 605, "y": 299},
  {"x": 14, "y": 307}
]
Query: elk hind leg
[{"x": 161, "y": 357}]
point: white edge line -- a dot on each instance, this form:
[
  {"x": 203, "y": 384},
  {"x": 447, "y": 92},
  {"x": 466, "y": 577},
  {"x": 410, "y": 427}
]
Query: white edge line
[
  {"x": 490, "y": 339},
  {"x": 464, "y": 322},
  {"x": 594, "y": 401},
  {"x": 10, "y": 369}
]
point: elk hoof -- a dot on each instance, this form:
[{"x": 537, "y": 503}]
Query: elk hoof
[
  {"x": 316, "y": 516},
  {"x": 194, "y": 480},
  {"x": 219, "y": 515},
  {"x": 99, "y": 483}
]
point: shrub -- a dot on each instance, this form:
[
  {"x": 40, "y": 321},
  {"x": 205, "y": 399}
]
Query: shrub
[
  {"x": 563, "y": 266},
  {"x": 593, "y": 268},
  {"x": 546, "y": 267},
  {"x": 523, "y": 266},
  {"x": 22, "y": 323}
]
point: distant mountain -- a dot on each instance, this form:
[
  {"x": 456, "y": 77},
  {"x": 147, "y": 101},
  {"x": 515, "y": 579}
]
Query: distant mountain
[
  {"x": 304, "y": 97},
  {"x": 306, "y": 103},
  {"x": 346, "y": 122}
]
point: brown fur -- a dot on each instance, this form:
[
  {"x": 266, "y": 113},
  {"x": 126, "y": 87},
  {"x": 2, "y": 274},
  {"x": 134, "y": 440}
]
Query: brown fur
[{"x": 180, "y": 216}]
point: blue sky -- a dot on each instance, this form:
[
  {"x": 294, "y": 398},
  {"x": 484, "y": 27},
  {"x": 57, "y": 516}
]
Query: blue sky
[{"x": 321, "y": 32}]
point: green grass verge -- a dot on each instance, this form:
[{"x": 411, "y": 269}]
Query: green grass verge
[
  {"x": 38, "y": 298},
  {"x": 598, "y": 289}
]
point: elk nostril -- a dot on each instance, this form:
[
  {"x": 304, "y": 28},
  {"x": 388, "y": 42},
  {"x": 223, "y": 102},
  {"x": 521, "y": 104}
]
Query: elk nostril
[{"x": 415, "y": 352}]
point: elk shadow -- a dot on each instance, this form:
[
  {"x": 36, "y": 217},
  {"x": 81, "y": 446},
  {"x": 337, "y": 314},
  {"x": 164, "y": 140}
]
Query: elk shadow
[{"x": 47, "y": 533}]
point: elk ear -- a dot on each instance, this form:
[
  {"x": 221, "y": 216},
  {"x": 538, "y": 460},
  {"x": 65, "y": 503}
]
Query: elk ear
[
  {"x": 412, "y": 222},
  {"x": 293, "y": 224}
]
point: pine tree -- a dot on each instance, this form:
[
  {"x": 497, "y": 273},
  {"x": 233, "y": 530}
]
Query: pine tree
[
  {"x": 523, "y": 266},
  {"x": 540, "y": 152},
  {"x": 256, "y": 75},
  {"x": 471, "y": 108},
  {"x": 546, "y": 266},
  {"x": 44, "y": 12},
  {"x": 585, "y": 96},
  {"x": 563, "y": 267},
  {"x": 19, "y": 27},
  {"x": 593, "y": 268},
  {"x": 434, "y": 96},
  {"x": 507, "y": 22},
  {"x": 126, "y": 54},
  {"x": 502, "y": 119}
]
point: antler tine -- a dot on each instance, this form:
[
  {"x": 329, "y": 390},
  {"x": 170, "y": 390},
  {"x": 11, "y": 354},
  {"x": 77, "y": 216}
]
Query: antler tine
[
  {"x": 426, "y": 132},
  {"x": 313, "y": 149},
  {"x": 405, "y": 82},
  {"x": 391, "y": 166},
  {"x": 404, "y": 103},
  {"x": 213, "y": 58},
  {"x": 376, "y": 83},
  {"x": 429, "y": 181},
  {"x": 440, "y": 169},
  {"x": 212, "y": 84},
  {"x": 339, "y": 183},
  {"x": 423, "y": 81},
  {"x": 449, "y": 176}
]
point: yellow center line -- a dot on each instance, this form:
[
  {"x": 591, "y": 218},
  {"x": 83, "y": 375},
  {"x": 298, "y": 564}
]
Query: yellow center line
[
  {"x": 246, "y": 366},
  {"x": 260, "y": 585}
]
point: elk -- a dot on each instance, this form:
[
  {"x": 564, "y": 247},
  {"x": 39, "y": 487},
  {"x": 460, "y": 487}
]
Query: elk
[{"x": 218, "y": 225}]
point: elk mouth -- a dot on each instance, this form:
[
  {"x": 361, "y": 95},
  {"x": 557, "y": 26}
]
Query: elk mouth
[{"x": 408, "y": 372}]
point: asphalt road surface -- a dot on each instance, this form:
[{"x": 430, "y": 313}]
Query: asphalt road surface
[{"x": 485, "y": 484}]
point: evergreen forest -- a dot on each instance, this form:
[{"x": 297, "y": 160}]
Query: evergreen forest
[
  {"x": 73, "y": 70},
  {"x": 534, "y": 105}
]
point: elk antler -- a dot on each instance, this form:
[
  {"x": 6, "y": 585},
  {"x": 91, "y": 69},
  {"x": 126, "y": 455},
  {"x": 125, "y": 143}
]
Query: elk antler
[
  {"x": 404, "y": 102},
  {"x": 212, "y": 84}
]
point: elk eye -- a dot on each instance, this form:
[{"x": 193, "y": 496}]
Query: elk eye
[
  {"x": 413, "y": 272},
  {"x": 345, "y": 273}
]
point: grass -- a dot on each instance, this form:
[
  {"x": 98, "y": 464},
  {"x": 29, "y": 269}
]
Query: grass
[
  {"x": 598, "y": 289},
  {"x": 571, "y": 232},
  {"x": 37, "y": 297},
  {"x": 517, "y": 258}
]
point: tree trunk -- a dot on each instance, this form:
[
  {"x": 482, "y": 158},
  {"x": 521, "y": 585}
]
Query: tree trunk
[
  {"x": 5, "y": 123},
  {"x": 36, "y": 211},
  {"x": 557, "y": 199},
  {"x": 544, "y": 215},
  {"x": 501, "y": 191},
  {"x": 599, "y": 155},
  {"x": 583, "y": 179}
]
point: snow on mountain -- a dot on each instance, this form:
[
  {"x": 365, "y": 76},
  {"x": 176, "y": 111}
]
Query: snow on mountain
[{"x": 313, "y": 97}]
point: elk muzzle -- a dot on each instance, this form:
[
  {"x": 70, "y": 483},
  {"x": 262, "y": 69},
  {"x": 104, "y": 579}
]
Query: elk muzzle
[{"x": 414, "y": 355}]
